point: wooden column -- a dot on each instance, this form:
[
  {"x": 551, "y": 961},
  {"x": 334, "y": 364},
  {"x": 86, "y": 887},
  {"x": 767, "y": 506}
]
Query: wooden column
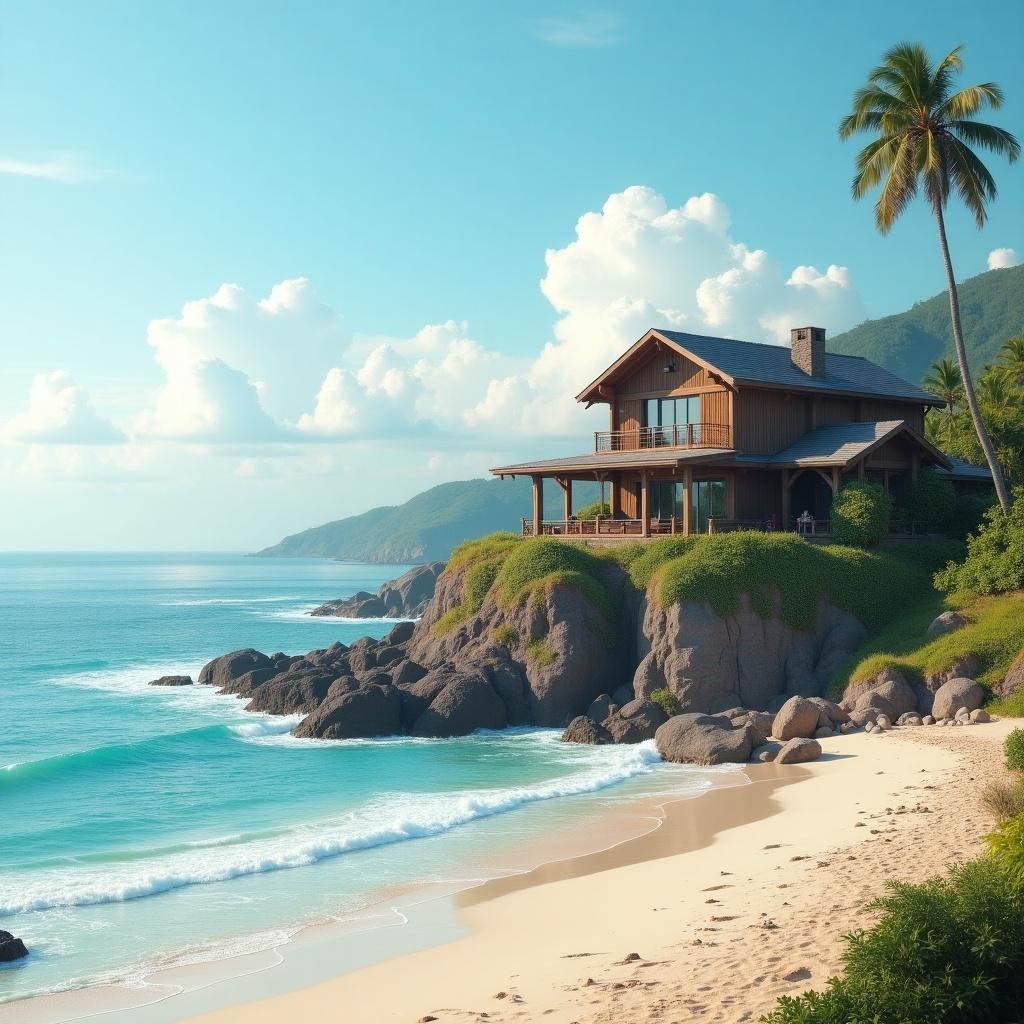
[
  {"x": 730, "y": 495},
  {"x": 687, "y": 500},
  {"x": 538, "y": 503},
  {"x": 837, "y": 479},
  {"x": 615, "y": 497},
  {"x": 566, "y": 486},
  {"x": 860, "y": 469},
  {"x": 785, "y": 499},
  {"x": 645, "y": 504}
]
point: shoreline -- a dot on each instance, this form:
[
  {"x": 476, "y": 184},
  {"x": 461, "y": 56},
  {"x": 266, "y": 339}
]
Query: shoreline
[
  {"x": 647, "y": 940},
  {"x": 426, "y": 911}
]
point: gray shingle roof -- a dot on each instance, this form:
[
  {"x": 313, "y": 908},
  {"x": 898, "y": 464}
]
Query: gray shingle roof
[
  {"x": 833, "y": 446},
  {"x": 771, "y": 364},
  {"x": 640, "y": 459},
  {"x": 960, "y": 470}
]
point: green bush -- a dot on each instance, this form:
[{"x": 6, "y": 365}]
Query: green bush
[
  {"x": 1006, "y": 845},
  {"x": 860, "y": 514},
  {"x": 995, "y": 555},
  {"x": 930, "y": 499},
  {"x": 667, "y": 701},
  {"x": 969, "y": 513},
  {"x": 539, "y": 651},
  {"x": 505, "y": 635},
  {"x": 593, "y": 510},
  {"x": 1004, "y": 800},
  {"x": 1013, "y": 748},
  {"x": 948, "y": 951}
]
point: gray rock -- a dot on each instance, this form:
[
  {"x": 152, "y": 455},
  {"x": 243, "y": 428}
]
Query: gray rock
[
  {"x": 408, "y": 596},
  {"x": 797, "y": 717},
  {"x": 955, "y": 694},
  {"x": 823, "y": 732},
  {"x": 890, "y": 685},
  {"x": 798, "y": 750},
  {"x": 401, "y": 633},
  {"x": 863, "y": 717},
  {"x": 980, "y": 716},
  {"x": 229, "y": 667},
  {"x": 600, "y": 709},
  {"x": 1014, "y": 678},
  {"x": 966, "y": 667},
  {"x": 947, "y": 622},
  {"x": 467, "y": 703},
  {"x": 583, "y": 729},
  {"x": 765, "y": 752},
  {"x": 831, "y": 714},
  {"x": 406, "y": 672},
  {"x": 291, "y": 693},
  {"x": 171, "y": 681},
  {"x": 909, "y": 718},
  {"x": 702, "y": 739},
  {"x": 11, "y": 947},
  {"x": 635, "y": 722},
  {"x": 883, "y": 722},
  {"x": 366, "y": 711},
  {"x": 928, "y": 720}
]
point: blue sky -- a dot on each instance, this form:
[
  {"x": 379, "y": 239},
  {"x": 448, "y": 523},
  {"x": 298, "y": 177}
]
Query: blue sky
[{"x": 407, "y": 166}]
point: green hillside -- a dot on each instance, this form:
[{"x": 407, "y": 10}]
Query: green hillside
[
  {"x": 991, "y": 309},
  {"x": 429, "y": 525}
]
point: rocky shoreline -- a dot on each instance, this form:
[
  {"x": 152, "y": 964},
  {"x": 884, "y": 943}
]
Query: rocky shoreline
[
  {"x": 404, "y": 598},
  {"x": 707, "y": 688}
]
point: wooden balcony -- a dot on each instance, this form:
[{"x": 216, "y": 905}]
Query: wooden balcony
[{"x": 680, "y": 435}]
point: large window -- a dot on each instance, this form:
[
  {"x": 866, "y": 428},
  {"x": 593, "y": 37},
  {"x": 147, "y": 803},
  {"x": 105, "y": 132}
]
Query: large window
[
  {"x": 707, "y": 498},
  {"x": 667, "y": 501},
  {"x": 665, "y": 414}
]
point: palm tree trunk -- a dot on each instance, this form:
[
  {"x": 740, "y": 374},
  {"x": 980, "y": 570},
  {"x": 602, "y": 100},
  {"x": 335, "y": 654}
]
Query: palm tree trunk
[{"x": 961, "y": 357}]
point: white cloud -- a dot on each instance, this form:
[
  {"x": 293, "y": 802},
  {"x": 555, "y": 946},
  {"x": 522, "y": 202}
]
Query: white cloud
[
  {"x": 67, "y": 169},
  {"x": 1000, "y": 259},
  {"x": 60, "y": 412},
  {"x": 639, "y": 263},
  {"x": 587, "y": 29}
]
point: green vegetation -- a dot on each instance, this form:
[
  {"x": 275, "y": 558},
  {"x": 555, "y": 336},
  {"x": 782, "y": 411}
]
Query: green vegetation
[
  {"x": 539, "y": 651},
  {"x": 995, "y": 555},
  {"x": 593, "y": 510},
  {"x": 505, "y": 635},
  {"x": 994, "y": 635},
  {"x": 642, "y": 561},
  {"x": 860, "y": 514},
  {"x": 947, "y": 951},
  {"x": 482, "y": 559},
  {"x": 909, "y": 343},
  {"x": 931, "y": 499},
  {"x": 667, "y": 701},
  {"x": 1013, "y": 748},
  {"x": 1004, "y": 800}
]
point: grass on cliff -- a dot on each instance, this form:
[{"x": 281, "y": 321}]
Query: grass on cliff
[
  {"x": 517, "y": 569},
  {"x": 994, "y": 635}
]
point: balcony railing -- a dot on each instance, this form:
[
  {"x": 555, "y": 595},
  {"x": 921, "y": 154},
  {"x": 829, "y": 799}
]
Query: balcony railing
[{"x": 680, "y": 435}]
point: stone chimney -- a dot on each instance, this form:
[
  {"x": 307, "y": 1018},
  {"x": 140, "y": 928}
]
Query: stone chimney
[{"x": 808, "y": 344}]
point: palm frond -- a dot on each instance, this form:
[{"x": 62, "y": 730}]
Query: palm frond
[
  {"x": 971, "y": 179},
  {"x": 988, "y": 136},
  {"x": 900, "y": 187},
  {"x": 873, "y": 161},
  {"x": 969, "y": 100}
]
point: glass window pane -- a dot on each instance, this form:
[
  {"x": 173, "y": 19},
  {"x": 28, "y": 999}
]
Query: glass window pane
[
  {"x": 693, "y": 409},
  {"x": 652, "y": 412}
]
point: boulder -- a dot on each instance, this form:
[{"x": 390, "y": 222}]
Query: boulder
[
  {"x": 765, "y": 752},
  {"x": 387, "y": 655},
  {"x": 417, "y": 696},
  {"x": 405, "y": 672},
  {"x": 910, "y": 718},
  {"x": 823, "y": 732},
  {"x": 883, "y": 722},
  {"x": 600, "y": 709},
  {"x": 955, "y": 694},
  {"x": 831, "y": 714},
  {"x": 979, "y": 716},
  {"x": 797, "y": 717},
  {"x": 401, "y": 633},
  {"x": 760, "y": 722},
  {"x": 862, "y": 717},
  {"x": 635, "y": 722},
  {"x": 292, "y": 693},
  {"x": 408, "y": 597},
  {"x": 623, "y": 695},
  {"x": 363, "y": 712},
  {"x": 702, "y": 739},
  {"x": 1014, "y": 678},
  {"x": 467, "y": 703},
  {"x": 11, "y": 947},
  {"x": 171, "y": 681},
  {"x": 928, "y": 720},
  {"x": 798, "y": 750},
  {"x": 947, "y": 622},
  {"x": 889, "y": 686},
  {"x": 583, "y": 729},
  {"x": 229, "y": 667},
  {"x": 966, "y": 667}
]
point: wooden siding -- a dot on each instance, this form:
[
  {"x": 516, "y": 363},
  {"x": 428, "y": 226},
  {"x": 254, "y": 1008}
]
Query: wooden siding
[
  {"x": 829, "y": 409},
  {"x": 768, "y": 421},
  {"x": 892, "y": 454},
  {"x": 873, "y": 411},
  {"x": 649, "y": 378},
  {"x": 759, "y": 494}
]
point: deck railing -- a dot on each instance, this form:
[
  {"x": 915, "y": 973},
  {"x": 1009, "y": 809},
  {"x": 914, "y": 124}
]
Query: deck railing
[{"x": 679, "y": 435}]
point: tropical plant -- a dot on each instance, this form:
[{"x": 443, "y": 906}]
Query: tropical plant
[
  {"x": 945, "y": 381},
  {"x": 1013, "y": 748},
  {"x": 667, "y": 701},
  {"x": 995, "y": 555},
  {"x": 1011, "y": 358},
  {"x": 860, "y": 514},
  {"x": 593, "y": 510},
  {"x": 925, "y": 134},
  {"x": 930, "y": 499}
]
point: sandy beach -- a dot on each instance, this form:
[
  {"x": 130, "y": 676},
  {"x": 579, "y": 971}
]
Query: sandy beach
[{"x": 735, "y": 900}]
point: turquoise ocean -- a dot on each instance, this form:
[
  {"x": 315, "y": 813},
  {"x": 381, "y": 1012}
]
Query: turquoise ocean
[{"x": 145, "y": 827}]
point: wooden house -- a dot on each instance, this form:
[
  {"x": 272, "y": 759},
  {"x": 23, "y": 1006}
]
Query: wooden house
[{"x": 709, "y": 434}]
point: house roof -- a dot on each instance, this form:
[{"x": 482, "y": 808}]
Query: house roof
[
  {"x": 842, "y": 444},
  {"x": 755, "y": 363},
  {"x": 643, "y": 458},
  {"x": 960, "y": 470}
]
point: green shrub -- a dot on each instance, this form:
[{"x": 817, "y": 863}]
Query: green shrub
[
  {"x": 995, "y": 555},
  {"x": 930, "y": 499},
  {"x": 505, "y": 635},
  {"x": 860, "y": 514},
  {"x": 643, "y": 560},
  {"x": 1004, "y": 800},
  {"x": 969, "y": 513},
  {"x": 1013, "y": 748},
  {"x": 667, "y": 701},
  {"x": 948, "y": 951},
  {"x": 1006, "y": 845},
  {"x": 539, "y": 651},
  {"x": 593, "y": 510}
]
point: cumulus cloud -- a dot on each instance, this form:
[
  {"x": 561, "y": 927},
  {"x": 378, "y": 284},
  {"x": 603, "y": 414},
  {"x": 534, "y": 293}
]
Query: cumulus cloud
[
  {"x": 68, "y": 169},
  {"x": 60, "y": 412},
  {"x": 639, "y": 263},
  {"x": 1000, "y": 259}
]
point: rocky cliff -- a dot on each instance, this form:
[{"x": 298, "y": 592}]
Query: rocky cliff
[{"x": 404, "y": 598}]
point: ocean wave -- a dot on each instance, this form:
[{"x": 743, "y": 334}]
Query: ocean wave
[
  {"x": 303, "y": 614},
  {"x": 200, "y": 602},
  {"x": 397, "y": 818}
]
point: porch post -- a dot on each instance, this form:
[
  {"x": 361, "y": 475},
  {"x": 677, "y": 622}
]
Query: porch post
[
  {"x": 566, "y": 486},
  {"x": 538, "y": 503},
  {"x": 915, "y": 465},
  {"x": 615, "y": 495},
  {"x": 687, "y": 501},
  {"x": 645, "y": 501},
  {"x": 785, "y": 499},
  {"x": 836, "y": 480},
  {"x": 860, "y": 470}
]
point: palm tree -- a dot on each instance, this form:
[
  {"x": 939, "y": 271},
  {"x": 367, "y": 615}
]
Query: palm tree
[
  {"x": 944, "y": 380},
  {"x": 925, "y": 133},
  {"x": 1011, "y": 357}
]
